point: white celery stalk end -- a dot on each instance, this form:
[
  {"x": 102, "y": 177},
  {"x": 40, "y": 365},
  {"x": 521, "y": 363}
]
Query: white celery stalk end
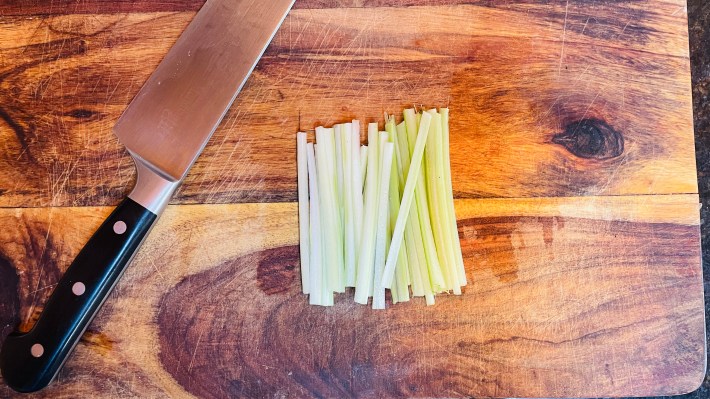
[
  {"x": 366, "y": 262},
  {"x": 303, "y": 211},
  {"x": 316, "y": 251}
]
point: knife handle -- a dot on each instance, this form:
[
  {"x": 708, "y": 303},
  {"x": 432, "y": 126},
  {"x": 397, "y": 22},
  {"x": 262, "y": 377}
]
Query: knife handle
[{"x": 30, "y": 361}]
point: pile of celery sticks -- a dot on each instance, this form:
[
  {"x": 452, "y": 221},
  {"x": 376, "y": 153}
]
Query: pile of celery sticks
[{"x": 379, "y": 216}]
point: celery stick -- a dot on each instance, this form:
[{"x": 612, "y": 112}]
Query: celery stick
[
  {"x": 348, "y": 206},
  {"x": 340, "y": 185},
  {"x": 419, "y": 272},
  {"x": 407, "y": 198},
  {"x": 366, "y": 262},
  {"x": 303, "y": 214},
  {"x": 437, "y": 206},
  {"x": 356, "y": 191},
  {"x": 450, "y": 197},
  {"x": 363, "y": 164},
  {"x": 394, "y": 132},
  {"x": 330, "y": 223},
  {"x": 378, "y": 297},
  {"x": 402, "y": 269},
  {"x": 316, "y": 272},
  {"x": 434, "y": 268},
  {"x": 412, "y": 233}
]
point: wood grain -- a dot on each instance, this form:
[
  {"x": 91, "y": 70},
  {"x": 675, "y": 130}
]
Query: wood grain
[
  {"x": 573, "y": 161},
  {"x": 61, "y": 7},
  {"x": 516, "y": 77},
  {"x": 604, "y": 302}
]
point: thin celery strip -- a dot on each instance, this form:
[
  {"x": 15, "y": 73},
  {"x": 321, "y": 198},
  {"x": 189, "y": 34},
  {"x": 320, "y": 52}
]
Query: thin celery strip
[
  {"x": 407, "y": 198},
  {"x": 421, "y": 273},
  {"x": 418, "y": 275},
  {"x": 340, "y": 185},
  {"x": 330, "y": 223},
  {"x": 437, "y": 204},
  {"x": 356, "y": 192},
  {"x": 348, "y": 206},
  {"x": 378, "y": 297},
  {"x": 400, "y": 284},
  {"x": 303, "y": 212},
  {"x": 449, "y": 194},
  {"x": 316, "y": 252},
  {"x": 434, "y": 268},
  {"x": 366, "y": 262}
]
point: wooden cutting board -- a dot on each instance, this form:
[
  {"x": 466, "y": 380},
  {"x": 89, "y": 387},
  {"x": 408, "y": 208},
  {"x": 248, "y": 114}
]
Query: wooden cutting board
[{"x": 573, "y": 168}]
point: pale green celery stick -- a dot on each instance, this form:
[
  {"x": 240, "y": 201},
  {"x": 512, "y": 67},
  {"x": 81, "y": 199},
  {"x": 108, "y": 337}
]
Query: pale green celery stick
[
  {"x": 303, "y": 213},
  {"x": 418, "y": 273},
  {"x": 349, "y": 208},
  {"x": 363, "y": 164},
  {"x": 399, "y": 293},
  {"x": 316, "y": 251},
  {"x": 393, "y": 130},
  {"x": 429, "y": 299},
  {"x": 434, "y": 268},
  {"x": 444, "y": 200},
  {"x": 407, "y": 199},
  {"x": 340, "y": 184},
  {"x": 378, "y": 297},
  {"x": 437, "y": 205},
  {"x": 416, "y": 259},
  {"x": 461, "y": 271},
  {"x": 330, "y": 223},
  {"x": 380, "y": 157},
  {"x": 356, "y": 184},
  {"x": 400, "y": 284},
  {"x": 366, "y": 261}
]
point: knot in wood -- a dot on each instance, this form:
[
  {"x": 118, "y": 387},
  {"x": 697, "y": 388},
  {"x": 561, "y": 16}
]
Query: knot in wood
[{"x": 591, "y": 139}]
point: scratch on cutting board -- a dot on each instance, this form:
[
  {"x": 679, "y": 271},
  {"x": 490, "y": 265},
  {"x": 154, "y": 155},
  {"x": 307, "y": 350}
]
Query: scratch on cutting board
[
  {"x": 564, "y": 39},
  {"x": 194, "y": 353}
]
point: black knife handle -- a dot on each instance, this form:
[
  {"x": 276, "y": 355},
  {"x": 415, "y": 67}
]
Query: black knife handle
[{"x": 30, "y": 361}]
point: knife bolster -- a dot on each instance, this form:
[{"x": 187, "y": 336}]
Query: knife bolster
[{"x": 152, "y": 190}]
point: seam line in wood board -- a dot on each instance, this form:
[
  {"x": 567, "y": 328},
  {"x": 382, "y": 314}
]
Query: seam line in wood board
[
  {"x": 457, "y": 198},
  {"x": 465, "y": 197}
]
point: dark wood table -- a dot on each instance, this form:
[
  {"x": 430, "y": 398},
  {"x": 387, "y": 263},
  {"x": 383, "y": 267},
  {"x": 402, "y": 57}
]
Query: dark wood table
[{"x": 699, "y": 29}]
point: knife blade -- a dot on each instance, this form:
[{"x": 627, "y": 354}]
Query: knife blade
[{"x": 164, "y": 128}]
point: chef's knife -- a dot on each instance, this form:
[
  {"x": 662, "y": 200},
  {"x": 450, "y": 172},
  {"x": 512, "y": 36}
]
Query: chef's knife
[{"x": 165, "y": 128}]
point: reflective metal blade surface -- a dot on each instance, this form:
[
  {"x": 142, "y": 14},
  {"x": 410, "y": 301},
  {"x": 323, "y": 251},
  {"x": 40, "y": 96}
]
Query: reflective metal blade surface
[{"x": 173, "y": 116}]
